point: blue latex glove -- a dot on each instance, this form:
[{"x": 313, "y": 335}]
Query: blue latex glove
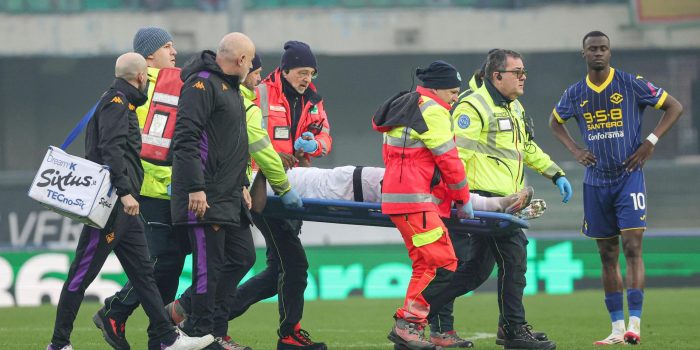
[
  {"x": 291, "y": 200},
  {"x": 170, "y": 190},
  {"x": 564, "y": 189},
  {"x": 465, "y": 211},
  {"x": 306, "y": 142}
]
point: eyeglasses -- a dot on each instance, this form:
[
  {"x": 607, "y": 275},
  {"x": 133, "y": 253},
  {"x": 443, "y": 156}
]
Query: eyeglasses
[
  {"x": 519, "y": 73},
  {"x": 307, "y": 74}
]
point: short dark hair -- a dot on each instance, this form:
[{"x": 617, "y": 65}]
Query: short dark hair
[
  {"x": 594, "y": 33},
  {"x": 496, "y": 61}
]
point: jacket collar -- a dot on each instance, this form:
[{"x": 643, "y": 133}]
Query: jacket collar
[
  {"x": 248, "y": 94},
  {"x": 133, "y": 95},
  {"x": 498, "y": 98},
  {"x": 427, "y": 93}
]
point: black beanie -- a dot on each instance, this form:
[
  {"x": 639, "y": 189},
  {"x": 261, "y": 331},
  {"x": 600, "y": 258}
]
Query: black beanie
[
  {"x": 257, "y": 63},
  {"x": 439, "y": 75},
  {"x": 297, "y": 54}
]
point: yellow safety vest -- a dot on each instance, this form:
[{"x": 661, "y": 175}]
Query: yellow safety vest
[
  {"x": 494, "y": 146},
  {"x": 260, "y": 147}
]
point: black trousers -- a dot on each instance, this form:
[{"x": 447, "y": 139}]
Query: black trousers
[
  {"x": 285, "y": 274},
  {"x": 220, "y": 260},
  {"x": 167, "y": 256},
  {"x": 126, "y": 238},
  {"x": 477, "y": 255}
]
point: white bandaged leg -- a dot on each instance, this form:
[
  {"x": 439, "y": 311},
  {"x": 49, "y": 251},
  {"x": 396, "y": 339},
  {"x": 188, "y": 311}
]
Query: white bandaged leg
[{"x": 337, "y": 184}]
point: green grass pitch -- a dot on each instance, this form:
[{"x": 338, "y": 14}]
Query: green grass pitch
[{"x": 574, "y": 321}]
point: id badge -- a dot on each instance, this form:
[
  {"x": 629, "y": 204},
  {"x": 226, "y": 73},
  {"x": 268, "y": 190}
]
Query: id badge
[
  {"x": 281, "y": 133},
  {"x": 505, "y": 124}
]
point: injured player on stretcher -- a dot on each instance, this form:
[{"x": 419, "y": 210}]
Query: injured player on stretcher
[{"x": 364, "y": 184}]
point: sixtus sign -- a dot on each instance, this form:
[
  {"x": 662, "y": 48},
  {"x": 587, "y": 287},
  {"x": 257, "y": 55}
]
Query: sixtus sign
[{"x": 74, "y": 187}]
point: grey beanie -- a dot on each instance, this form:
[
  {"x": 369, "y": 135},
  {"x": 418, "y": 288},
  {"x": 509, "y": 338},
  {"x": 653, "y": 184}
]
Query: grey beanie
[{"x": 149, "y": 39}]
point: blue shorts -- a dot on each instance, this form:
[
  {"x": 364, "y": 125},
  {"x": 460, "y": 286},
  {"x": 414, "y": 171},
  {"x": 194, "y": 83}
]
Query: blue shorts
[{"x": 608, "y": 210}]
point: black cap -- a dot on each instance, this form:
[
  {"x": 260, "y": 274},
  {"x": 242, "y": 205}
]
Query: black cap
[
  {"x": 297, "y": 54},
  {"x": 257, "y": 63},
  {"x": 439, "y": 75}
]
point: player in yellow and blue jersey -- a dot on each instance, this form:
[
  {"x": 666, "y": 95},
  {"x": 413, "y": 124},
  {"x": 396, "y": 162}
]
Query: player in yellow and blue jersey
[{"x": 608, "y": 106}]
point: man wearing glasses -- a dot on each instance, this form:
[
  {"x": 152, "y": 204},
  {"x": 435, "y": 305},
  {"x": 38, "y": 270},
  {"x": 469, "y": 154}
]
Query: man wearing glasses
[
  {"x": 495, "y": 141},
  {"x": 293, "y": 114}
]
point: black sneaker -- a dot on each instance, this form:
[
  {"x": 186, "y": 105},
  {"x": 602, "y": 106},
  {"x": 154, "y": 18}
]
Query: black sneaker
[
  {"x": 112, "y": 330},
  {"x": 299, "y": 340},
  {"x": 500, "y": 337},
  {"x": 520, "y": 337}
]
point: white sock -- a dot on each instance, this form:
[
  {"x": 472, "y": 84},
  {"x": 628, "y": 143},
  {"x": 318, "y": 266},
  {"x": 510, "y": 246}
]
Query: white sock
[
  {"x": 486, "y": 203},
  {"x": 635, "y": 324},
  {"x": 618, "y": 327}
]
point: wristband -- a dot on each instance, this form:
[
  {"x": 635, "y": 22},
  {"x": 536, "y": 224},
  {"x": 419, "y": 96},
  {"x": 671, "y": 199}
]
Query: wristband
[{"x": 653, "y": 139}]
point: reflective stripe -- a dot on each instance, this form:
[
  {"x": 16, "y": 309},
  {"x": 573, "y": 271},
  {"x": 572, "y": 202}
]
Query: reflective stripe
[
  {"x": 458, "y": 186},
  {"x": 466, "y": 143},
  {"x": 326, "y": 130},
  {"x": 259, "y": 145},
  {"x": 401, "y": 142},
  {"x": 165, "y": 98},
  {"x": 444, "y": 148},
  {"x": 552, "y": 170},
  {"x": 426, "y": 105},
  {"x": 427, "y": 237},
  {"x": 264, "y": 104},
  {"x": 409, "y": 198},
  {"x": 483, "y": 103},
  {"x": 475, "y": 146},
  {"x": 324, "y": 147},
  {"x": 282, "y": 188}
]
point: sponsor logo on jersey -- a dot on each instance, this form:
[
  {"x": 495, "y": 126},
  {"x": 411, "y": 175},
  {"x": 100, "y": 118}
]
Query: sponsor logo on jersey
[{"x": 616, "y": 98}]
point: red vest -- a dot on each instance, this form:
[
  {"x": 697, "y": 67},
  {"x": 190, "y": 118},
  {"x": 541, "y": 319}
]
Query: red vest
[
  {"x": 158, "y": 130},
  {"x": 276, "y": 117}
]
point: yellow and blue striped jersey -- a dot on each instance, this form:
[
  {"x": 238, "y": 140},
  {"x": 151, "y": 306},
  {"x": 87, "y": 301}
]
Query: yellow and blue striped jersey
[{"x": 609, "y": 117}]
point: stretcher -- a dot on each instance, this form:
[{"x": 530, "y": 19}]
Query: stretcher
[{"x": 370, "y": 214}]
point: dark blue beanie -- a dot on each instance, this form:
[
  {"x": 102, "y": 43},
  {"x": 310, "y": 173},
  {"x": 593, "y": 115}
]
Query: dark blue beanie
[
  {"x": 439, "y": 75},
  {"x": 149, "y": 39},
  {"x": 257, "y": 63},
  {"x": 297, "y": 54}
]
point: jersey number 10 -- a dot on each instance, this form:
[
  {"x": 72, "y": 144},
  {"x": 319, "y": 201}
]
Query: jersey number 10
[{"x": 638, "y": 201}]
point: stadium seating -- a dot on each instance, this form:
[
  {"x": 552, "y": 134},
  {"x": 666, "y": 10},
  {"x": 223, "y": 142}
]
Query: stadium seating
[{"x": 68, "y": 6}]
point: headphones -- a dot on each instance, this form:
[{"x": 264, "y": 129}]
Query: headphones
[{"x": 499, "y": 76}]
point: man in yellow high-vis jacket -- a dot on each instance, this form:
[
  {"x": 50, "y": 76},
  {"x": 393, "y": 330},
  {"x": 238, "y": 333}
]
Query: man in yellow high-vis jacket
[
  {"x": 156, "y": 46},
  {"x": 267, "y": 160},
  {"x": 495, "y": 142}
]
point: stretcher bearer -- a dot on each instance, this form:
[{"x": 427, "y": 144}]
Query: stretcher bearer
[
  {"x": 260, "y": 145},
  {"x": 423, "y": 174},
  {"x": 495, "y": 143},
  {"x": 293, "y": 114}
]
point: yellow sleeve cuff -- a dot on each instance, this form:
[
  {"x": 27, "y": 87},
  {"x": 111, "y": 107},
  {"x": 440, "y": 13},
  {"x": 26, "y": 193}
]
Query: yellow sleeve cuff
[
  {"x": 556, "y": 115},
  {"x": 661, "y": 100}
]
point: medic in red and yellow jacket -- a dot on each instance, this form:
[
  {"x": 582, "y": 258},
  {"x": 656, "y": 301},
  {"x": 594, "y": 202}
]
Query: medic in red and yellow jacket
[
  {"x": 423, "y": 170},
  {"x": 423, "y": 174},
  {"x": 277, "y": 116}
]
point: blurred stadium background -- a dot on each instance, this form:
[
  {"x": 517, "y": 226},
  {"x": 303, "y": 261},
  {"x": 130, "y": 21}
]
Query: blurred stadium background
[{"x": 57, "y": 56}]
